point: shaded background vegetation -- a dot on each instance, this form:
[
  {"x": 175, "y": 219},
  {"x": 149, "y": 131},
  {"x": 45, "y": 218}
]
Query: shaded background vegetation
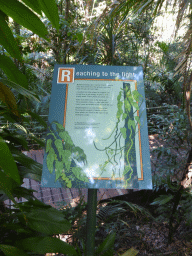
[{"x": 90, "y": 32}]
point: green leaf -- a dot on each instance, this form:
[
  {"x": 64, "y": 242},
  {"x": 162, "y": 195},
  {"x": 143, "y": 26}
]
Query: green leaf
[
  {"x": 34, "y": 5},
  {"x": 66, "y": 137},
  {"x": 20, "y": 89},
  {"x": 37, "y": 117},
  {"x": 135, "y": 105},
  {"x": 106, "y": 245},
  {"x": 59, "y": 126},
  {"x": 79, "y": 37},
  {"x": 50, "y": 9},
  {"x": 12, "y": 72},
  {"x": 58, "y": 169},
  {"x": 23, "y": 16},
  {"x": 124, "y": 116},
  {"x": 126, "y": 169},
  {"x": 127, "y": 105},
  {"x": 8, "y": 98},
  {"x": 77, "y": 171},
  {"x": 69, "y": 185},
  {"x": 136, "y": 95},
  {"x": 9, "y": 250},
  {"x": 66, "y": 157},
  {"x": 137, "y": 119},
  {"x": 7, "y": 40},
  {"x": 131, "y": 123},
  {"x": 23, "y": 192},
  {"x": 119, "y": 96},
  {"x": 163, "y": 199},
  {"x": 51, "y": 157},
  {"x": 59, "y": 146},
  {"x": 47, "y": 221},
  {"x": 46, "y": 245},
  {"x": 34, "y": 138},
  {"x": 29, "y": 168},
  {"x": 48, "y": 145},
  {"x": 7, "y": 162},
  {"x": 123, "y": 132},
  {"x": 6, "y": 184},
  {"x": 130, "y": 252},
  {"x": 79, "y": 154},
  {"x": 15, "y": 138}
]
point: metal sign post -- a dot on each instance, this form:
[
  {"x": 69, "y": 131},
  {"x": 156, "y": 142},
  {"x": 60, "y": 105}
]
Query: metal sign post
[
  {"x": 97, "y": 133},
  {"x": 91, "y": 222}
]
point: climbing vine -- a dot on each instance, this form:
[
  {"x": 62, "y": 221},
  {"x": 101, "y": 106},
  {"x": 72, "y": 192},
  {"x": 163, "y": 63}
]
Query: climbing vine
[
  {"x": 115, "y": 150},
  {"x": 62, "y": 156}
]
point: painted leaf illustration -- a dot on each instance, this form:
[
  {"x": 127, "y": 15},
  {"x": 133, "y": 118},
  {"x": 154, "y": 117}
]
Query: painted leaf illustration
[
  {"x": 58, "y": 169},
  {"x": 119, "y": 96},
  {"x": 66, "y": 157},
  {"x": 59, "y": 146},
  {"x": 123, "y": 131},
  {"x": 135, "y": 105},
  {"x": 127, "y": 105},
  {"x": 50, "y": 160},
  {"x": 77, "y": 172},
  {"x": 65, "y": 136},
  {"x": 127, "y": 169},
  {"x": 136, "y": 95},
  {"x": 131, "y": 123},
  {"x": 59, "y": 126},
  {"x": 79, "y": 154},
  {"x": 124, "y": 116},
  {"x": 137, "y": 119},
  {"x": 48, "y": 145},
  {"x": 69, "y": 185}
]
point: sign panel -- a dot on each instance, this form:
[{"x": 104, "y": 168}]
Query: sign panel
[{"x": 97, "y": 136}]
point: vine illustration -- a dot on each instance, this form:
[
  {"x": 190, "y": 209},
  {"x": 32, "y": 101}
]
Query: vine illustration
[
  {"x": 62, "y": 155},
  {"x": 115, "y": 149}
]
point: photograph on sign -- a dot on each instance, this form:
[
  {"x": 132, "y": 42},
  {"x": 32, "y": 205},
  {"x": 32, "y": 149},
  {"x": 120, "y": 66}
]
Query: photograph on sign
[{"x": 97, "y": 135}]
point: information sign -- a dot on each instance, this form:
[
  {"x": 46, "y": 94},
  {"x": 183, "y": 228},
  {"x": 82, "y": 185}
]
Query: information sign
[{"x": 97, "y": 129}]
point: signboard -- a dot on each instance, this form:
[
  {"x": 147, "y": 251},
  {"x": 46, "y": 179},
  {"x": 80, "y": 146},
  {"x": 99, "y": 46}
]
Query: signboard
[{"x": 97, "y": 129}]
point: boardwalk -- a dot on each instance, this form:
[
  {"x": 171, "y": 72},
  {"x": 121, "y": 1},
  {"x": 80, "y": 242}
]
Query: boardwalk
[{"x": 52, "y": 196}]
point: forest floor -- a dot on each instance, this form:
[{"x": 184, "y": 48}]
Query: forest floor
[
  {"x": 148, "y": 237},
  {"x": 151, "y": 239}
]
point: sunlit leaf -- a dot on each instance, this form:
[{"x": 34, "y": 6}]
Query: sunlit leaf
[
  {"x": 23, "y": 16},
  {"x": 50, "y": 9},
  {"x": 130, "y": 252},
  {"x": 34, "y": 5},
  {"x": 7, "y": 40}
]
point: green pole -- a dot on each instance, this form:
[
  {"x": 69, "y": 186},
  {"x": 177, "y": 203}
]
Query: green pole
[{"x": 91, "y": 222}]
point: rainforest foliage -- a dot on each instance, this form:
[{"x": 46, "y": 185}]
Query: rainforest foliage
[{"x": 35, "y": 35}]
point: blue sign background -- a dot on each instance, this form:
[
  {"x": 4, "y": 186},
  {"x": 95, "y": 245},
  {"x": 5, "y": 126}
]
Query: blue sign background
[{"x": 56, "y": 114}]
